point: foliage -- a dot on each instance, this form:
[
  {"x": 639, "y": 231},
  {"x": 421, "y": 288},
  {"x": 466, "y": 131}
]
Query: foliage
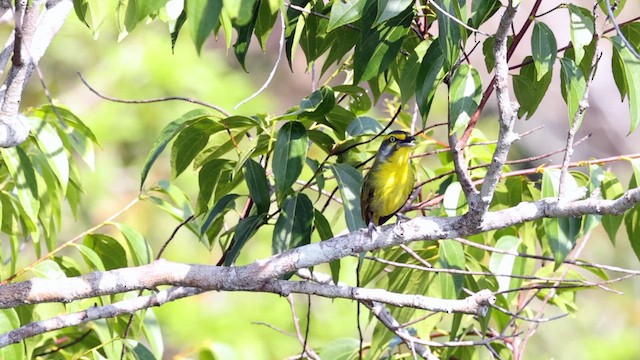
[{"x": 278, "y": 175}]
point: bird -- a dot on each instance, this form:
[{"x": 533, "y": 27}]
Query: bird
[{"x": 389, "y": 183}]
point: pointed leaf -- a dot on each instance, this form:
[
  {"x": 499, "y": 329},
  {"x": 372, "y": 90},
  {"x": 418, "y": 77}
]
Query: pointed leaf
[
  {"x": 324, "y": 231},
  {"x": 464, "y": 96},
  {"x": 141, "y": 252},
  {"x": 168, "y": 133},
  {"x": 544, "y": 48},
  {"x": 24, "y": 177},
  {"x": 293, "y": 227},
  {"x": 451, "y": 34},
  {"x": 528, "y": 90},
  {"x": 289, "y": 155},
  {"x": 345, "y": 12},
  {"x": 222, "y": 206},
  {"x": 109, "y": 250},
  {"x": 349, "y": 182},
  {"x": 202, "y": 17},
  {"x": 267, "y": 15},
  {"x": 451, "y": 256},
  {"x": 244, "y": 231},
  {"x": 573, "y": 86},
  {"x": 503, "y": 263},
  {"x": 258, "y": 185},
  {"x": 239, "y": 11},
  {"x": 481, "y": 11},
  {"x": 188, "y": 144},
  {"x": 632, "y": 76},
  {"x": 245, "y": 33},
  {"x": 430, "y": 75},
  {"x": 611, "y": 190},
  {"x": 363, "y": 125},
  {"x": 388, "y": 9},
  {"x": 212, "y": 176},
  {"x": 582, "y": 29}
]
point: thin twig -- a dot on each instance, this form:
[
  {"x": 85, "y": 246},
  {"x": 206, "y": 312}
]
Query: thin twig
[{"x": 456, "y": 20}]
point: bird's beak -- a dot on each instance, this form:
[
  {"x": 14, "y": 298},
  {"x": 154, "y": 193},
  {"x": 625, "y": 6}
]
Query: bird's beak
[{"x": 409, "y": 141}]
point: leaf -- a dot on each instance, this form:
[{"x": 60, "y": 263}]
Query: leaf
[
  {"x": 141, "y": 252},
  {"x": 363, "y": 125},
  {"x": 267, "y": 15},
  {"x": 454, "y": 201},
  {"x": 319, "y": 103},
  {"x": 223, "y": 205},
  {"x": 24, "y": 177},
  {"x": 451, "y": 35},
  {"x": 582, "y": 29},
  {"x": 632, "y": 76},
  {"x": 168, "y": 133},
  {"x": 619, "y": 5},
  {"x": 258, "y": 185},
  {"x": 573, "y": 86},
  {"x": 359, "y": 102},
  {"x": 561, "y": 232},
  {"x": 619, "y": 76},
  {"x": 632, "y": 217},
  {"x": 137, "y": 10},
  {"x": 481, "y": 11},
  {"x": 464, "y": 96},
  {"x": 9, "y": 321},
  {"x": 345, "y": 12},
  {"x": 504, "y": 263},
  {"x": 323, "y": 228},
  {"x": 109, "y": 250},
  {"x": 189, "y": 143},
  {"x": 289, "y": 154},
  {"x": 430, "y": 75},
  {"x": 451, "y": 256},
  {"x": 340, "y": 349},
  {"x": 544, "y": 48},
  {"x": 55, "y": 155},
  {"x": 388, "y": 9},
  {"x": 293, "y": 227},
  {"x": 202, "y": 17},
  {"x": 294, "y": 26},
  {"x": 378, "y": 47},
  {"x": 244, "y": 231},
  {"x": 528, "y": 90},
  {"x": 349, "y": 182},
  {"x": 245, "y": 33},
  {"x": 408, "y": 77},
  {"x": 322, "y": 140},
  {"x": 240, "y": 11},
  {"x": 90, "y": 257},
  {"x": 611, "y": 190},
  {"x": 213, "y": 175},
  {"x": 139, "y": 351},
  {"x": 314, "y": 39}
]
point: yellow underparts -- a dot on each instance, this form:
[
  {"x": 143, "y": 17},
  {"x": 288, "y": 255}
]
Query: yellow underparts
[{"x": 393, "y": 183}]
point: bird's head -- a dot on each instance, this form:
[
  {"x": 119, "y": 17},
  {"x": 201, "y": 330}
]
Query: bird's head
[{"x": 393, "y": 141}]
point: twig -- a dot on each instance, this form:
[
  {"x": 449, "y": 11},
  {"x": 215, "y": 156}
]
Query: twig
[
  {"x": 612, "y": 17},
  {"x": 273, "y": 70},
  {"x": 155, "y": 100},
  {"x": 296, "y": 323},
  {"x": 455, "y": 19}
]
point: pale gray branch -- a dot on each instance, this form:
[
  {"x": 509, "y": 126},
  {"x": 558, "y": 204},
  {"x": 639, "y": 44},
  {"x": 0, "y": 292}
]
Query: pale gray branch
[{"x": 34, "y": 31}]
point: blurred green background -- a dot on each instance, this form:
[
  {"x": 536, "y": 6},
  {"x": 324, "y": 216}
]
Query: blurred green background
[{"x": 141, "y": 66}]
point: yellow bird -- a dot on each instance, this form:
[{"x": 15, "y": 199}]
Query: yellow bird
[{"x": 389, "y": 183}]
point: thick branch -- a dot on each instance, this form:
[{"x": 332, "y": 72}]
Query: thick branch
[{"x": 33, "y": 35}]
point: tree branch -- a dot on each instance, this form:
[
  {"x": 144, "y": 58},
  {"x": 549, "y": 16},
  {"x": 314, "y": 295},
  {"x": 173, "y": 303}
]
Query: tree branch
[{"x": 33, "y": 35}]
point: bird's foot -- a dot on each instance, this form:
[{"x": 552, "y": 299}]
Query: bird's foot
[{"x": 397, "y": 229}]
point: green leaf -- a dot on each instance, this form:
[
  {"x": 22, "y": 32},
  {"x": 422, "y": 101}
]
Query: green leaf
[
  {"x": 168, "y": 133},
  {"x": 464, "y": 96},
  {"x": 619, "y": 76},
  {"x": 137, "y": 10},
  {"x": 611, "y": 190},
  {"x": 314, "y": 39},
  {"x": 345, "y": 12},
  {"x": 267, "y": 15},
  {"x": 349, "y": 182},
  {"x": 9, "y": 321},
  {"x": 139, "y": 351},
  {"x": 324, "y": 231},
  {"x": 109, "y": 250},
  {"x": 289, "y": 154},
  {"x": 182, "y": 18},
  {"x": 212, "y": 178},
  {"x": 141, "y": 252},
  {"x": 245, "y": 33},
  {"x": 51, "y": 145},
  {"x": 561, "y": 232},
  {"x": 90, "y": 257},
  {"x": 504, "y": 263},
  {"x": 430, "y": 75},
  {"x": 544, "y": 48},
  {"x": 189, "y": 143},
  {"x": 454, "y": 201},
  {"x": 319, "y": 103},
  {"x": 481, "y": 11},
  {"x": 582, "y": 29},
  {"x": 240, "y": 11},
  {"x": 294, "y": 27},
  {"x": 363, "y": 125},
  {"x": 632, "y": 217},
  {"x": 528, "y": 90},
  {"x": 619, "y": 5},
  {"x": 340, "y": 349},
  {"x": 632, "y": 76},
  {"x": 220, "y": 208},
  {"x": 258, "y": 185},
  {"x": 408, "y": 77},
  {"x": 388, "y": 9},
  {"x": 451, "y": 35},
  {"x": 294, "y": 224},
  {"x": 451, "y": 256},
  {"x": 202, "y": 17},
  {"x": 573, "y": 85},
  {"x": 244, "y": 231},
  {"x": 323, "y": 140},
  {"x": 24, "y": 177},
  {"x": 359, "y": 102},
  {"x": 378, "y": 47}
]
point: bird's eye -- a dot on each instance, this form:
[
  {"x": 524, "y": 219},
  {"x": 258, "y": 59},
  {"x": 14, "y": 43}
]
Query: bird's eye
[{"x": 392, "y": 139}]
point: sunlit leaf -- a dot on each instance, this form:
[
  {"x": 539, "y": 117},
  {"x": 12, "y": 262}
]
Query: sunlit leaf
[
  {"x": 293, "y": 227},
  {"x": 350, "y": 182},
  {"x": 544, "y": 48},
  {"x": 632, "y": 76},
  {"x": 481, "y": 11},
  {"x": 141, "y": 252},
  {"x": 245, "y": 33},
  {"x": 345, "y": 12},
  {"x": 388, "y": 9},
  {"x": 632, "y": 217},
  {"x": 582, "y": 29},
  {"x": 363, "y": 125},
  {"x": 528, "y": 90},
  {"x": 9, "y": 321},
  {"x": 573, "y": 86},
  {"x": 504, "y": 263},
  {"x": 202, "y": 17},
  {"x": 464, "y": 96},
  {"x": 239, "y": 11},
  {"x": 430, "y": 75},
  {"x": 109, "y": 250},
  {"x": 188, "y": 144},
  {"x": 213, "y": 175},
  {"x": 137, "y": 10},
  {"x": 267, "y": 15},
  {"x": 611, "y": 190},
  {"x": 451, "y": 34},
  {"x": 323, "y": 228},
  {"x": 451, "y": 256}
]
